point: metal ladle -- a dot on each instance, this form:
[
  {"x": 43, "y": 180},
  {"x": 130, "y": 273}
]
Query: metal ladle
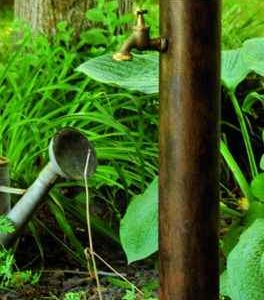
[{"x": 68, "y": 153}]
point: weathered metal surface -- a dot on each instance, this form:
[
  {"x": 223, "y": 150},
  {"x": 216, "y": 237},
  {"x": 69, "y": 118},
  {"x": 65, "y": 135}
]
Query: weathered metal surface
[
  {"x": 140, "y": 40},
  {"x": 4, "y": 181},
  {"x": 189, "y": 114},
  {"x": 69, "y": 151}
]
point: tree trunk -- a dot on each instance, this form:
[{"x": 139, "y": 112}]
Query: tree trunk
[
  {"x": 125, "y": 6},
  {"x": 6, "y": 3},
  {"x": 44, "y": 15}
]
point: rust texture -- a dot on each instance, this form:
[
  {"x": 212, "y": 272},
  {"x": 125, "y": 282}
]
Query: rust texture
[
  {"x": 5, "y": 201},
  {"x": 189, "y": 115}
]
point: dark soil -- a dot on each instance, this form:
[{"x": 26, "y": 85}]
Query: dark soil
[
  {"x": 63, "y": 274},
  {"x": 55, "y": 283}
]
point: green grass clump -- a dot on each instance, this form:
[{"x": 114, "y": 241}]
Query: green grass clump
[
  {"x": 40, "y": 93},
  {"x": 241, "y": 20},
  {"x": 10, "y": 276}
]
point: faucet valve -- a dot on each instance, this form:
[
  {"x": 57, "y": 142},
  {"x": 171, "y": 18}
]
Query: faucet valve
[{"x": 140, "y": 40}]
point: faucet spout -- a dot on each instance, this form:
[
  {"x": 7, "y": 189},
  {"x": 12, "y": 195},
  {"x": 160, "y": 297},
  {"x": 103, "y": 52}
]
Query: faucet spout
[{"x": 140, "y": 40}]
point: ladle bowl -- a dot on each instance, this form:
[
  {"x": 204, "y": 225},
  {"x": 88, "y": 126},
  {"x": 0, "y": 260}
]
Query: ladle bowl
[
  {"x": 71, "y": 156},
  {"x": 68, "y": 152}
]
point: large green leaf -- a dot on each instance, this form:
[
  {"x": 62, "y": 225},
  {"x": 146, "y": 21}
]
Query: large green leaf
[
  {"x": 233, "y": 69},
  {"x": 238, "y": 63},
  {"x": 140, "y": 74},
  {"x": 244, "y": 276},
  {"x": 257, "y": 186},
  {"x": 253, "y": 55},
  {"x": 139, "y": 227}
]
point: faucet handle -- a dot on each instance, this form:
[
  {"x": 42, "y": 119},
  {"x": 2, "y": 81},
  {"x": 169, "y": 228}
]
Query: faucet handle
[
  {"x": 140, "y": 18},
  {"x": 141, "y": 11}
]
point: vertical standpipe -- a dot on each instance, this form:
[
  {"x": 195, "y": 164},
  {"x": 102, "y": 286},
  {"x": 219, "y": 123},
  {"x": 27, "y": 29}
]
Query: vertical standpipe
[
  {"x": 4, "y": 181},
  {"x": 189, "y": 115}
]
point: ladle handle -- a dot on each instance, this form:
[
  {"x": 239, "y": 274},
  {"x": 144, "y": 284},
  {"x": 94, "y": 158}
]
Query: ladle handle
[{"x": 26, "y": 206}]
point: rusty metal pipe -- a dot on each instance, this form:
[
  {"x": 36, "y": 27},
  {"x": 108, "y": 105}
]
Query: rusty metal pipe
[{"x": 189, "y": 127}]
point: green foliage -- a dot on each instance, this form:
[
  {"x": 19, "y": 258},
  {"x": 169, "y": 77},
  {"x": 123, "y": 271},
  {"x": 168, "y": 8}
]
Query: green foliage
[
  {"x": 74, "y": 296},
  {"x": 262, "y": 163},
  {"x": 5, "y": 31},
  {"x": 6, "y": 257},
  {"x": 233, "y": 68},
  {"x": 66, "y": 228},
  {"x": 132, "y": 295},
  {"x": 236, "y": 170},
  {"x": 40, "y": 93},
  {"x": 236, "y": 65},
  {"x": 139, "y": 227},
  {"x": 257, "y": 187},
  {"x": 106, "y": 22},
  {"x": 243, "y": 279},
  {"x": 142, "y": 73},
  {"x": 241, "y": 20},
  {"x": 262, "y": 157},
  {"x": 5, "y": 225},
  {"x": 9, "y": 277},
  {"x": 251, "y": 99}
]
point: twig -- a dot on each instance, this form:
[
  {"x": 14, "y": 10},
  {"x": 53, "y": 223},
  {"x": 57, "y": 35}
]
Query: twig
[
  {"x": 115, "y": 271},
  {"x": 89, "y": 226},
  {"x": 85, "y": 273}
]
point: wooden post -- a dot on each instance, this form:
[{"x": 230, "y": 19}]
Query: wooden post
[
  {"x": 189, "y": 115},
  {"x": 4, "y": 181}
]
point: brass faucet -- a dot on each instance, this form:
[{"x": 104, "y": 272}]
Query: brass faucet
[{"x": 140, "y": 39}]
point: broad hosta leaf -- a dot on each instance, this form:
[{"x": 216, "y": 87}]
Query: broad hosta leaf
[
  {"x": 256, "y": 211},
  {"x": 139, "y": 227},
  {"x": 257, "y": 186},
  {"x": 253, "y": 55},
  {"x": 233, "y": 69},
  {"x": 140, "y": 74},
  {"x": 244, "y": 276}
]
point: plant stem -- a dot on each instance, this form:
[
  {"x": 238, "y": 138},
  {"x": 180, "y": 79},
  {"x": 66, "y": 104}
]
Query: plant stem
[
  {"x": 229, "y": 211},
  {"x": 235, "y": 169},
  {"x": 245, "y": 134},
  {"x": 85, "y": 175}
]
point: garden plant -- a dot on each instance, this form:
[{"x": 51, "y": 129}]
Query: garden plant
[{"x": 48, "y": 83}]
